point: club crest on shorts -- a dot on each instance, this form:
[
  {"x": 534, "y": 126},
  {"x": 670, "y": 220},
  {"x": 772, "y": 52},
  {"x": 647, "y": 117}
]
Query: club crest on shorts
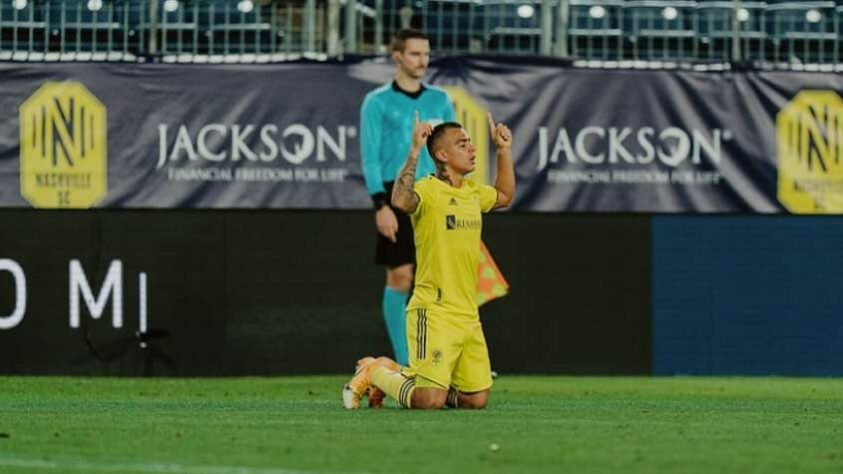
[{"x": 436, "y": 356}]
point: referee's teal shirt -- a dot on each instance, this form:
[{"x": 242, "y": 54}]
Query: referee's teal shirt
[{"x": 386, "y": 129}]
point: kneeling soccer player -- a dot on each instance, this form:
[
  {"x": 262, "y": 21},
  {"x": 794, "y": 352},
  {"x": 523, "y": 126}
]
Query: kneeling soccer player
[{"x": 449, "y": 360}]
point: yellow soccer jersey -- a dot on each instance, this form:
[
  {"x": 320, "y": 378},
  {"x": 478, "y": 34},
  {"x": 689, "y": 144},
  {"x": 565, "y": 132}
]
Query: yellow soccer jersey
[{"x": 446, "y": 226}]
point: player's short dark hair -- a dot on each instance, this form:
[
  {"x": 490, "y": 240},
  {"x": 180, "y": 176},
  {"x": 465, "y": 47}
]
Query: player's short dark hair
[
  {"x": 438, "y": 131},
  {"x": 399, "y": 41}
]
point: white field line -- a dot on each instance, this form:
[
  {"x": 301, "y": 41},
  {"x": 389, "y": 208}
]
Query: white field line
[{"x": 155, "y": 468}]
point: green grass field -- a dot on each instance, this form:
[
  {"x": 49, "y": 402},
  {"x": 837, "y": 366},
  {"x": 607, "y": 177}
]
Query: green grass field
[{"x": 533, "y": 424}]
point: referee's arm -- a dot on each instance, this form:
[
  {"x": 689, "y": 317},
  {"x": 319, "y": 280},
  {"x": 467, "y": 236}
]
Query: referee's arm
[{"x": 371, "y": 124}]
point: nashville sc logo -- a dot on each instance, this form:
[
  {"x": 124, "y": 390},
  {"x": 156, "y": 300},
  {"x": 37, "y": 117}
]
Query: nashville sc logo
[
  {"x": 453, "y": 222},
  {"x": 63, "y": 147},
  {"x": 810, "y": 150},
  {"x": 472, "y": 116}
]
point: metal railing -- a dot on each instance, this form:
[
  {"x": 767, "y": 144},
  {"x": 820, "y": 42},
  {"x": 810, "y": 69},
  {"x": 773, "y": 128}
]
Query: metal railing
[
  {"x": 174, "y": 30},
  {"x": 803, "y": 32}
]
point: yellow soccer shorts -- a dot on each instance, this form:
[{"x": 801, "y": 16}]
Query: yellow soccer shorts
[{"x": 447, "y": 351}]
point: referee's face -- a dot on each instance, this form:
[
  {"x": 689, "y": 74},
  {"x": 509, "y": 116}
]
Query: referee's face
[{"x": 413, "y": 60}]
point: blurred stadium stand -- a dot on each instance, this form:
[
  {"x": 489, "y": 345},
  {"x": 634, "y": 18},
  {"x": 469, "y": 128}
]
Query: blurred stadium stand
[{"x": 779, "y": 33}]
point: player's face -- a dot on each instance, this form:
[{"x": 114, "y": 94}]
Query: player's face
[
  {"x": 413, "y": 60},
  {"x": 459, "y": 150}
]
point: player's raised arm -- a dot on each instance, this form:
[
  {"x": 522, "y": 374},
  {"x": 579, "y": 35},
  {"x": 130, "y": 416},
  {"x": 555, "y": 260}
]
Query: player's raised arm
[
  {"x": 505, "y": 176},
  {"x": 403, "y": 196}
]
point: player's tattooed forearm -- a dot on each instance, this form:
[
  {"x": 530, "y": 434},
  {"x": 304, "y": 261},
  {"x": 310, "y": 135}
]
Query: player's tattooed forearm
[
  {"x": 406, "y": 178},
  {"x": 403, "y": 196}
]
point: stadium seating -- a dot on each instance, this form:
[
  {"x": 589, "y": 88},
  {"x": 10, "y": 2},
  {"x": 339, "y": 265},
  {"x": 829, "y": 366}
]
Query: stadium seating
[{"x": 804, "y": 32}]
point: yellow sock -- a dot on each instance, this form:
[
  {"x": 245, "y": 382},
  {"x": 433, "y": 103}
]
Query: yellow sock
[{"x": 394, "y": 384}]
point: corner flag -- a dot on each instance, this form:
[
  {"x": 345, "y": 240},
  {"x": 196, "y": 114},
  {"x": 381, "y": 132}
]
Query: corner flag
[{"x": 490, "y": 281}]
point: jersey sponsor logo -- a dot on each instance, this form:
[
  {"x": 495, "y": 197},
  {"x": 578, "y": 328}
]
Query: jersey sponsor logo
[
  {"x": 63, "y": 138},
  {"x": 472, "y": 116},
  {"x": 810, "y": 153},
  {"x": 453, "y": 222}
]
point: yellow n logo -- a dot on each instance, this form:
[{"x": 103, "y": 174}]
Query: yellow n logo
[
  {"x": 63, "y": 138},
  {"x": 810, "y": 149}
]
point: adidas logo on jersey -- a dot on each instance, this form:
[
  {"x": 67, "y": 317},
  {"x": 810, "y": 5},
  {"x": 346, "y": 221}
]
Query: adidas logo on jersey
[{"x": 452, "y": 202}]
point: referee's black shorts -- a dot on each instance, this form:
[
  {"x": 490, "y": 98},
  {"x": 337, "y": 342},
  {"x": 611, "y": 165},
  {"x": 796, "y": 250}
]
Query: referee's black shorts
[{"x": 403, "y": 251}]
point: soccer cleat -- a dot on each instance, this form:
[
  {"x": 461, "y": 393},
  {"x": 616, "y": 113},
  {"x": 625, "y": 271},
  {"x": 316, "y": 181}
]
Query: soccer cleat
[
  {"x": 361, "y": 384},
  {"x": 376, "y": 397},
  {"x": 357, "y": 387},
  {"x": 390, "y": 364}
]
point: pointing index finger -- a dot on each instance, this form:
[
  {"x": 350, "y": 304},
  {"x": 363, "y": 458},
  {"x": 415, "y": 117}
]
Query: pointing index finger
[{"x": 492, "y": 126}]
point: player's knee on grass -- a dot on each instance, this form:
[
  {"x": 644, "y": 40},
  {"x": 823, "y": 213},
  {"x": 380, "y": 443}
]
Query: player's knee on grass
[
  {"x": 429, "y": 398},
  {"x": 473, "y": 401},
  {"x": 400, "y": 278}
]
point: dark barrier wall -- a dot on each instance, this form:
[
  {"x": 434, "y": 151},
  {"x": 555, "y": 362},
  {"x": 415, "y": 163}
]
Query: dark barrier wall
[
  {"x": 281, "y": 292},
  {"x": 272, "y": 292},
  {"x": 750, "y": 295}
]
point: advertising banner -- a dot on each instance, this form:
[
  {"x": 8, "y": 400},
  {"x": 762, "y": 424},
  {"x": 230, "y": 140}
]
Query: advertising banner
[{"x": 285, "y": 136}]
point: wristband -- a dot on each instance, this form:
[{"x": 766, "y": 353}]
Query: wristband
[{"x": 379, "y": 200}]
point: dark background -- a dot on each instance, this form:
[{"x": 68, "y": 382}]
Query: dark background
[
  {"x": 281, "y": 292},
  {"x": 296, "y": 292}
]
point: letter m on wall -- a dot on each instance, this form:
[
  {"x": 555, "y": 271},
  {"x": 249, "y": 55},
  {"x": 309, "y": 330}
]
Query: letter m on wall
[{"x": 111, "y": 287}]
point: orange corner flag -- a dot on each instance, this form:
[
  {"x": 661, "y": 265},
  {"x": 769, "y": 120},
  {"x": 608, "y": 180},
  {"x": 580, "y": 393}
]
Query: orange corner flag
[{"x": 490, "y": 281}]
